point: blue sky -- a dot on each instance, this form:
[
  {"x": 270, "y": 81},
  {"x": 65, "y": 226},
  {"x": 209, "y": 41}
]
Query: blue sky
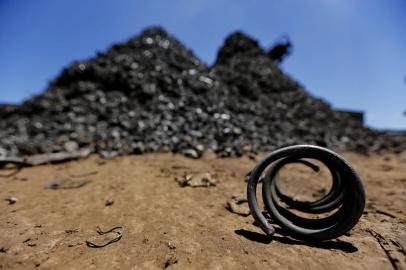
[{"x": 351, "y": 53}]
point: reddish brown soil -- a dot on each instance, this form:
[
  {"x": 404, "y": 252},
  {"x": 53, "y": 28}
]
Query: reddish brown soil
[{"x": 165, "y": 225}]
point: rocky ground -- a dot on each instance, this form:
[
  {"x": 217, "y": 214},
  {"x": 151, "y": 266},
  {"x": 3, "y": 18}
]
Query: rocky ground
[{"x": 49, "y": 216}]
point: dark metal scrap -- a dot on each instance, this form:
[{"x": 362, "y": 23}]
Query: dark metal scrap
[{"x": 346, "y": 196}]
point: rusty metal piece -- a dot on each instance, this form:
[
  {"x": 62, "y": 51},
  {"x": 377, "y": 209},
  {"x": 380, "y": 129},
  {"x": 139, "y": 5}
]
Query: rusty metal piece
[{"x": 45, "y": 158}]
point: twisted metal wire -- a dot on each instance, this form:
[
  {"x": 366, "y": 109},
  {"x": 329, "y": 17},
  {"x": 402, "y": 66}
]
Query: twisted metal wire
[{"x": 346, "y": 196}]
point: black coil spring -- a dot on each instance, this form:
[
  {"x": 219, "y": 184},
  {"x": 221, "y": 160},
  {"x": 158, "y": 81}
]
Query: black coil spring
[{"x": 346, "y": 195}]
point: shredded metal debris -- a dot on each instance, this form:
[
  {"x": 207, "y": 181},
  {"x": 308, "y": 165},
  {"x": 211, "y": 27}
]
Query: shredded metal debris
[
  {"x": 140, "y": 97},
  {"x": 41, "y": 159},
  {"x": 67, "y": 184}
]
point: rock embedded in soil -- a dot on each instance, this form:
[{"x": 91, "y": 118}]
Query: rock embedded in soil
[
  {"x": 11, "y": 200},
  {"x": 234, "y": 205},
  {"x": 197, "y": 180},
  {"x": 153, "y": 94}
]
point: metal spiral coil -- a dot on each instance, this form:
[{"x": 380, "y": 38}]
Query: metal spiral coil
[{"x": 346, "y": 196}]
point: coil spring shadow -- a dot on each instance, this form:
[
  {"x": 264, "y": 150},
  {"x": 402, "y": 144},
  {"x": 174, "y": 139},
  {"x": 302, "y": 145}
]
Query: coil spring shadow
[{"x": 346, "y": 196}]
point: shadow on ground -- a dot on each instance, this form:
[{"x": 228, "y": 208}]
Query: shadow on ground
[{"x": 264, "y": 239}]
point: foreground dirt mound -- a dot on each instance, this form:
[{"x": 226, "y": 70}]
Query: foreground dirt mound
[
  {"x": 49, "y": 216},
  {"x": 152, "y": 94}
]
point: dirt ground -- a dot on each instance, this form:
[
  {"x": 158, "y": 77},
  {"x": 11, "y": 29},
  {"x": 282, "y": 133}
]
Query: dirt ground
[{"x": 47, "y": 213}]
